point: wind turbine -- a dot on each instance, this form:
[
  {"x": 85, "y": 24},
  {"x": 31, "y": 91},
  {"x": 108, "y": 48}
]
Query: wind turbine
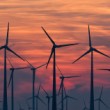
[
  {"x": 6, "y": 47},
  {"x": 48, "y": 97},
  {"x": 62, "y": 78},
  {"x": 91, "y": 50},
  {"x": 67, "y": 97},
  {"x": 99, "y": 100},
  {"x": 37, "y": 97},
  {"x": 34, "y": 69},
  {"x": 53, "y": 52},
  {"x": 85, "y": 106},
  {"x": 11, "y": 81}
]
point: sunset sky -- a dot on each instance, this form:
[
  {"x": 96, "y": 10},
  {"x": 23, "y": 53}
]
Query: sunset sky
[{"x": 66, "y": 21}]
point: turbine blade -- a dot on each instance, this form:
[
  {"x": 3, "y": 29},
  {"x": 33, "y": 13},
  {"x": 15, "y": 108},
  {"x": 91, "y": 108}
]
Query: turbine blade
[
  {"x": 41, "y": 66},
  {"x": 21, "y": 68},
  {"x": 101, "y": 53},
  {"x": 82, "y": 56},
  {"x": 59, "y": 46},
  {"x": 59, "y": 70},
  {"x": 61, "y": 101},
  {"x": 72, "y": 98},
  {"x": 104, "y": 69},
  {"x": 48, "y": 36},
  {"x": 60, "y": 87},
  {"x": 50, "y": 57},
  {"x": 29, "y": 63},
  {"x": 101, "y": 92},
  {"x": 14, "y": 53},
  {"x": 39, "y": 90},
  {"x": 90, "y": 43},
  {"x": 65, "y": 90},
  {"x": 10, "y": 78},
  {"x": 7, "y": 34},
  {"x": 105, "y": 104},
  {"x": 10, "y": 62},
  {"x": 71, "y": 76},
  {"x": 41, "y": 100},
  {"x": 2, "y": 47},
  {"x": 44, "y": 91}
]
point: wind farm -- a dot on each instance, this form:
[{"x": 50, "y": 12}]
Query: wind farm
[
  {"x": 52, "y": 100},
  {"x": 61, "y": 93},
  {"x": 60, "y": 59}
]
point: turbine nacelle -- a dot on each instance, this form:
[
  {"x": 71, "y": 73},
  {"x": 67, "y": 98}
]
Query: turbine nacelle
[
  {"x": 33, "y": 69},
  {"x": 63, "y": 77}
]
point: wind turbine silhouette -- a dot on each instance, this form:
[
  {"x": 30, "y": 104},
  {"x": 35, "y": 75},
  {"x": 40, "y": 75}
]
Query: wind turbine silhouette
[
  {"x": 66, "y": 98},
  {"x": 48, "y": 97},
  {"x": 99, "y": 100},
  {"x": 91, "y": 50},
  {"x": 11, "y": 81},
  {"x": 62, "y": 78},
  {"x": 53, "y": 52},
  {"x": 85, "y": 106},
  {"x": 6, "y": 47},
  {"x": 34, "y": 69},
  {"x": 28, "y": 106},
  {"x": 37, "y": 97}
]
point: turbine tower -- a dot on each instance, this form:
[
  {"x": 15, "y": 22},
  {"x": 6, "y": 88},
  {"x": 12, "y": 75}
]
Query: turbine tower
[
  {"x": 53, "y": 52},
  {"x": 34, "y": 69},
  {"x": 6, "y": 48},
  {"x": 11, "y": 81},
  {"x": 91, "y": 51}
]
